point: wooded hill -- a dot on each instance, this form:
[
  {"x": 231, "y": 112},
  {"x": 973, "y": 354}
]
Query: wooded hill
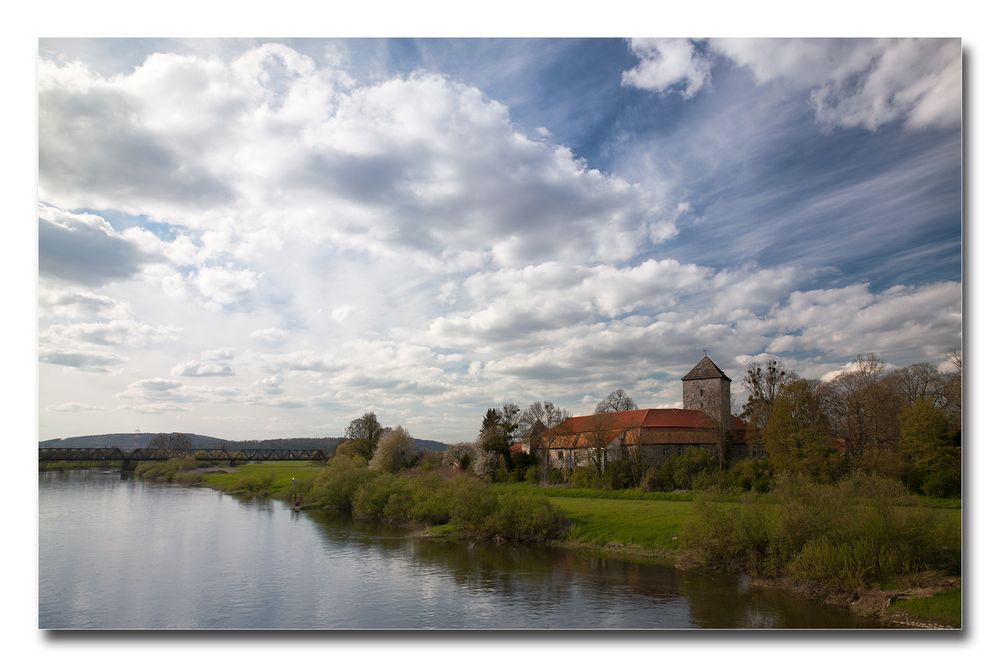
[{"x": 127, "y": 441}]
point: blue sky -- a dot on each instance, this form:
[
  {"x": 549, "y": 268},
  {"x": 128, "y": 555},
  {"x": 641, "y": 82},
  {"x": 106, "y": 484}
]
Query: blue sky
[{"x": 262, "y": 238}]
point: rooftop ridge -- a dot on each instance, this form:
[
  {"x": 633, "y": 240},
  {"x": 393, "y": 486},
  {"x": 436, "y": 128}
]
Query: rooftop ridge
[{"x": 705, "y": 370}]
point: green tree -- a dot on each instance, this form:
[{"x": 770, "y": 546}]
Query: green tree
[
  {"x": 366, "y": 431},
  {"x": 352, "y": 448},
  {"x": 762, "y": 382},
  {"x": 933, "y": 456},
  {"x": 798, "y": 437}
]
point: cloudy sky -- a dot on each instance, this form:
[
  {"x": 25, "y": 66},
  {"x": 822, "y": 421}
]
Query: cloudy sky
[{"x": 250, "y": 238}]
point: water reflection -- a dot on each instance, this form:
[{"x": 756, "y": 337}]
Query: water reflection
[{"x": 126, "y": 554}]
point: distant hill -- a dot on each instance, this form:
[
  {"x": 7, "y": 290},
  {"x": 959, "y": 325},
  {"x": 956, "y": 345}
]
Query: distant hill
[
  {"x": 122, "y": 440},
  {"x": 133, "y": 440}
]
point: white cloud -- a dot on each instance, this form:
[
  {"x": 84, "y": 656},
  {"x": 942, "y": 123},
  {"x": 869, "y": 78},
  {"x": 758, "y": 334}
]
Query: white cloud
[
  {"x": 223, "y": 286},
  {"x": 270, "y": 336},
  {"x": 852, "y": 82},
  {"x": 666, "y": 64},
  {"x": 862, "y": 82},
  {"x": 76, "y": 407},
  {"x": 85, "y": 248},
  {"x": 123, "y": 332},
  {"x": 160, "y": 390},
  {"x": 241, "y": 148},
  {"x": 88, "y": 361},
  {"x": 202, "y": 369},
  {"x": 218, "y": 354},
  {"x": 76, "y": 304},
  {"x": 342, "y": 313}
]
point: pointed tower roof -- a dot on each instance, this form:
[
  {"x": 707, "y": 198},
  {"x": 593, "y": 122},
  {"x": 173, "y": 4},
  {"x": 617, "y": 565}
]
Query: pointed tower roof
[{"x": 705, "y": 370}]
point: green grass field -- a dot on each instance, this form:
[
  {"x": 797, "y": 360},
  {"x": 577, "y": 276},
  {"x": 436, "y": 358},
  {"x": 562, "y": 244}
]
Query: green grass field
[
  {"x": 622, "y": 520},
  {"x": 282, "y": 471}
]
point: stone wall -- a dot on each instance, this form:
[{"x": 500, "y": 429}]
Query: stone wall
[{"x": 710, "y": 395}]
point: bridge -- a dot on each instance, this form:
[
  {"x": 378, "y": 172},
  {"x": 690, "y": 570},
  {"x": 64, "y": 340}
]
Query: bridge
[{"x": 128, "y": 458}]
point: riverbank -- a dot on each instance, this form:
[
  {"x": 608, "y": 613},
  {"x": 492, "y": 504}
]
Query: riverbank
[{"x": 644, "y": 527}]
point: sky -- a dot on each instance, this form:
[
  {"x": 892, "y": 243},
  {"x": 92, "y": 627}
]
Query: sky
[{"x": 267, "y": 238}]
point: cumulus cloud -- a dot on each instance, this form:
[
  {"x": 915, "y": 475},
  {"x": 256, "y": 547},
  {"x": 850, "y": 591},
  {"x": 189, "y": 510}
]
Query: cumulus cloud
[
  {"x": 212, "y": 364},
  {"x": 73, "y": 406},
  {"x": 666, "y": 64},
  {"x": 384, "y": 168},
  {"x": 851, "y": 82},
  {"x": 77, "y": 304},
  {"x": 202, "y": 369},
  {"x": 862, "y": 82},
  {"x": 160, "y": 390},
  {"x": 485, "y": 261},
  {"x": 270, "y": 336},
  {"x": 223, "y": 287},
  {"x": 85, "y": 248},
  {"x": 88, "y": 361},
  {"x": 124, "y": 332}
]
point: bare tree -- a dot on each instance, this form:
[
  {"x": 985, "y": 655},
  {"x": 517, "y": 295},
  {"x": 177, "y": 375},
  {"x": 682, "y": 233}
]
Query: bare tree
[
  {"x": 599, "y": 437},
  {"x": 616, "y": 401},
  {"x": 546, "y": 413},
  {"x": 865, "y": 407}
]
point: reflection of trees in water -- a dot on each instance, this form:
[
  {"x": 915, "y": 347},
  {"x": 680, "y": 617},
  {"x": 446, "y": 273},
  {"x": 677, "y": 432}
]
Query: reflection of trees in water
[{"x": 582, "y": 588}]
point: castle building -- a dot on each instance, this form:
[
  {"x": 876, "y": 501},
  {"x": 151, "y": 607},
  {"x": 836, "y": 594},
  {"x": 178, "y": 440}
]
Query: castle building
[{"x": 706, "y": 421}]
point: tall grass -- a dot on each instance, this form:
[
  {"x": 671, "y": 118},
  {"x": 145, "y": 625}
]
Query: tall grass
[
  {"x": 860, "y": 532},
  {"x": 471, "y": 507}
]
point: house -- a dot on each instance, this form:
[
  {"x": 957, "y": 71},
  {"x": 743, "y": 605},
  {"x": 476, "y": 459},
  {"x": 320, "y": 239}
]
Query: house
[{"x": 705, "y": 422}]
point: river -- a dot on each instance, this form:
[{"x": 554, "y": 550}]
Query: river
[{"x": 120, "y": 554}]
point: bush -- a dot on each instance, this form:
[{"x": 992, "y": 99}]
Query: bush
[
  {"x": 751, "y": 474},
  {"x": 336, "y": 485},
  {"x": 164, "y": 471},
  {"x": 586, "y": 477},
  {"x": 686, "y": 467},
  {"x": 258, "y": 485},
  {"x": 857, "y": 533},
  {"x": 531, "y": 475},
  {"x": 472, "y": 502},
  {"x": 943, "y": 483},
  {"x": 555, "y": 476},
  {"x": 660, "y": 478},
  {"x": 523, "y": 519},
  {"x": 386, "y": 497}
]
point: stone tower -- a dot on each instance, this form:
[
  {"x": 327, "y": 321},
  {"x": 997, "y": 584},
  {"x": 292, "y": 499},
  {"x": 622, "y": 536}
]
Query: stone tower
[{"x": 706, "y": 388}]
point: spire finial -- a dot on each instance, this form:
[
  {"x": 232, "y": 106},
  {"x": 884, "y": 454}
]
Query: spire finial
[{"x": 706, "y": 352}]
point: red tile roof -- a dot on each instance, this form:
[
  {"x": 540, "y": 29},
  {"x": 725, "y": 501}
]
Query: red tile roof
[
  {"x": 650, "y": 418},
  {"x": 693, "y": 422}
]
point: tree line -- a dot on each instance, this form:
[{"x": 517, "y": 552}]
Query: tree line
[{"x": 904, "y": 423}]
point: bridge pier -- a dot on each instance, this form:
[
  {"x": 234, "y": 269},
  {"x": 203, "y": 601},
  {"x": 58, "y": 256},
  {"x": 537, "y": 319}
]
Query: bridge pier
[{"x": 232, "y": 463}]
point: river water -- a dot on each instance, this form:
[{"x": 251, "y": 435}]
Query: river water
[{"x": 121, "y": 554}]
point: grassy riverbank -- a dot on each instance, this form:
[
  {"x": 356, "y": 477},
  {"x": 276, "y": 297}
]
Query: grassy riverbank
[{"x": 896, "y": 556}]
